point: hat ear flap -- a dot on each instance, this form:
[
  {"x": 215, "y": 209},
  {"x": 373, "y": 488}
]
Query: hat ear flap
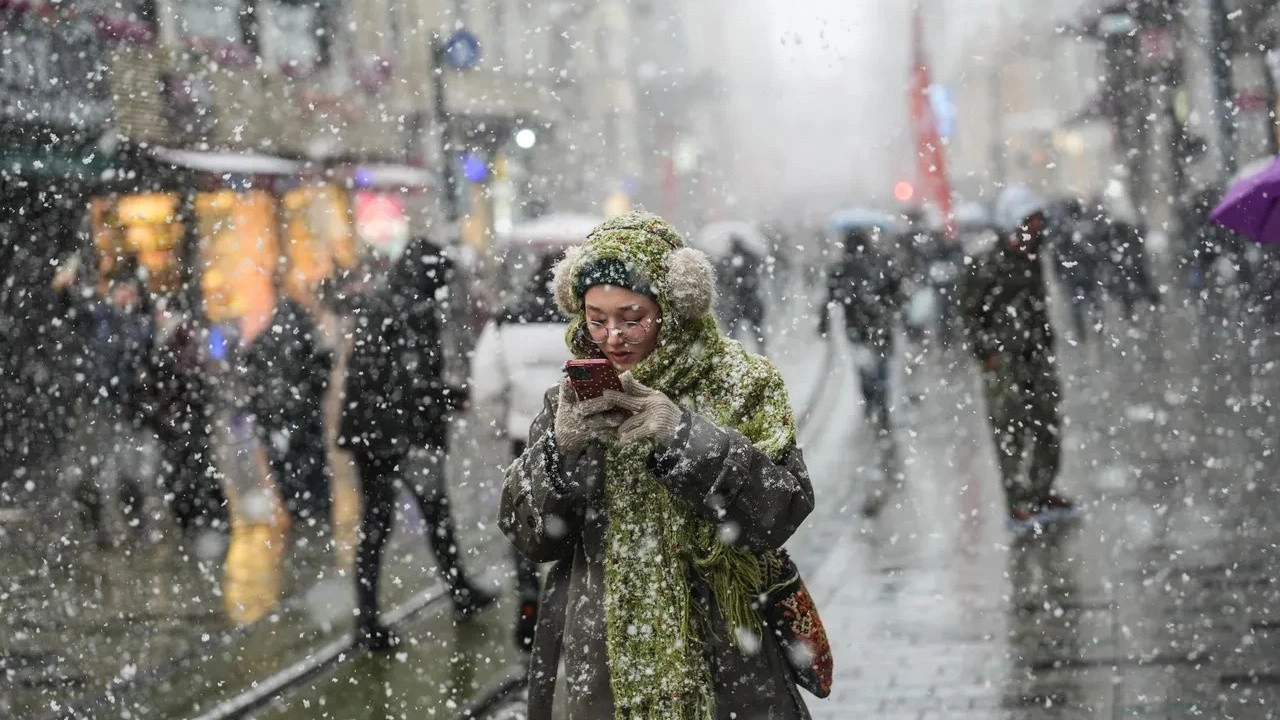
[
  {"x": 568, "y": 302},
  {"x": 691, "y": 283}
]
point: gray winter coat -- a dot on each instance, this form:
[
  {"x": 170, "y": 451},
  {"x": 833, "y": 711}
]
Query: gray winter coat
[{"x": 553, "y": 510}]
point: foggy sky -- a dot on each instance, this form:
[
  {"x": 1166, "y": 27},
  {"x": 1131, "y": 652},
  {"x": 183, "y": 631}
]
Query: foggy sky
[{"x": 817, "y": 95}]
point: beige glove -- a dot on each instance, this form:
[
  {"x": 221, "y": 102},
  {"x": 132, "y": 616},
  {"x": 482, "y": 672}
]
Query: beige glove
[
  {"x": 653, "y": 415},
  {"x": 578, "y": 422}
]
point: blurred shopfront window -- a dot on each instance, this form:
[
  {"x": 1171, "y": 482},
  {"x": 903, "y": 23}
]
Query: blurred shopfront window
[{"x": 145, "y": 226}]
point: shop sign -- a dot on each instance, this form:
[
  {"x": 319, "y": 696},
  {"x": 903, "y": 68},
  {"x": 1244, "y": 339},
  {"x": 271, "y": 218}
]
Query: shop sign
[
  {"x": 381, "y": 222},
  {"x": 462, "y": 50},
  {"x": 51, "y": 74}
]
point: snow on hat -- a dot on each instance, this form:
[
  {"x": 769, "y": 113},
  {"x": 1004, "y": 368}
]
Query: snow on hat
[
  {"x": 641, "y": 252},
  {"x": 1015, "y": 205}
]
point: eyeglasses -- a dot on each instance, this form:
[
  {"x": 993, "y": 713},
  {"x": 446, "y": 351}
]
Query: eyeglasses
[{"x": 632, "y": 332}]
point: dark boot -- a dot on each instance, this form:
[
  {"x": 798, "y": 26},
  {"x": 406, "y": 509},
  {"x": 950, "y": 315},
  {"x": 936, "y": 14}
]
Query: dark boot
[{"x": 528, "y": 589}]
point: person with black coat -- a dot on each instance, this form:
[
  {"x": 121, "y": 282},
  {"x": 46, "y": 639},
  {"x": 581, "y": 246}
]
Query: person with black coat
[
  {"x": 395, "y": 417},
  {"x": 1129, "y": 279},
  {"x": 869, "y": 288},
  {"x": 182, "y": 418},
  {"x": 1078, "y": 243},
  {"x": 288, "y": 366},
  {"x": 119, "y": 332},
  {"x": 738, "y": 278}
]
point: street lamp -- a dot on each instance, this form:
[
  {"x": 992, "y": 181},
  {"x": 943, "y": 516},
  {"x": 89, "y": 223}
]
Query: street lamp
[{"x": 526, "y": 138}]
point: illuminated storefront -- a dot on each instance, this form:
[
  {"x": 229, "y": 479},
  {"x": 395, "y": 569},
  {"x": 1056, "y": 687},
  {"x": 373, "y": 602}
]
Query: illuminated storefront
[
  {"x": 246, "y": 249},
  {"x": 145, "y": 226},
  {"x": 382, "y": 224},
  {"x": 239, "y": 253},
  {"x": 318, "y": 238}
]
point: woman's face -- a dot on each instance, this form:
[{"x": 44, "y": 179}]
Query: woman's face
[{"x": 623, "y": 324}]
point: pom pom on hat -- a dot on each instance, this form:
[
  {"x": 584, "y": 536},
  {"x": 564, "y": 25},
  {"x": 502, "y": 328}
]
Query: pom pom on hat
[{"x": 690, "y": 283}]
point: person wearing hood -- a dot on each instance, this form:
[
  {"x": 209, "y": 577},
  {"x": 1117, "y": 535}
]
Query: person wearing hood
[
  {"x": 288, "y": 366},
  {"x": 657, "y": 502},
  {"x": 1006, "y": 313},
  {"x": 395, "y": 424}
]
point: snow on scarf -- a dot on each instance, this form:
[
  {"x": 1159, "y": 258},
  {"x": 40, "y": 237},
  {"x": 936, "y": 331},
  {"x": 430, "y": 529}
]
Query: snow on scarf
[{"x": 654, "y": 540}]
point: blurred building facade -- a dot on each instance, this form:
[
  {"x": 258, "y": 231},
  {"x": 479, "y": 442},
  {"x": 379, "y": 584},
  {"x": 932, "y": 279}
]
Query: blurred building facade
[
  {"x": 1016, "y": 83},
  {"x": 245, "y": 148},
  {"x": 1143, "y": 102}
]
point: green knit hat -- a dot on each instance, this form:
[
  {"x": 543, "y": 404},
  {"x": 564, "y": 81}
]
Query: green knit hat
[{"x": 641, "y": 252}]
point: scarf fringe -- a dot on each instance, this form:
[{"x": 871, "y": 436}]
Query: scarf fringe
[{"x": 730, "y": 571}]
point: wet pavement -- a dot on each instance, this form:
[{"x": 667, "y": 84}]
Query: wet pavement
[
  {"x": 155, "y": 627},
  {"x": 1161, "y": 602}
]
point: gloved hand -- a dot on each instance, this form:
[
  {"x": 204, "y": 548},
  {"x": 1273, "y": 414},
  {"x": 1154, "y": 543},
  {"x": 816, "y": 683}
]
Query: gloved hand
[
  {"x": 578, "y": 422},
  {"x": 653, "y": 415}
]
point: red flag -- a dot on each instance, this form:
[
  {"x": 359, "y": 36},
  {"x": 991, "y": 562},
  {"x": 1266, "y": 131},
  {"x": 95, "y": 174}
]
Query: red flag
[{"x": 931, "y": 157}]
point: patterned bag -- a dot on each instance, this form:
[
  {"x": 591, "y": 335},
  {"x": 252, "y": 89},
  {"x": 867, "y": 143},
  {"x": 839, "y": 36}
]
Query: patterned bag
[{"x": 789, "y": 611}]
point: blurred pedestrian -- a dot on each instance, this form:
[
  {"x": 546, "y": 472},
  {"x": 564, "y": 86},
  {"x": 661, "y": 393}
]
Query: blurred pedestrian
[
  {"x": 1128, "y": 276},
  {"x": 738, "y": 277},
  {"x": 1006, "y": 311},
  {"x": 182, "y": 419},
  {"x": 288, "y": 365},
  {"x": 520, "y": 354},
  {"x": 1078, "y": 242},
  {"x": 395, "y": 423},
  {"x": 780, "y": 264},
  {"x": 117, "y": 444},
  {"x": 1219, "y": 257},
  {"x": 421, "y": 283},
  {"x": 868, "y": 288},
  {"x": 934, "y": 264},
  {"x": 656, "y": 502}
]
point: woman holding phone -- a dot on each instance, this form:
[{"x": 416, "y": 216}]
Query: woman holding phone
[{"x": 655, "y": 501}]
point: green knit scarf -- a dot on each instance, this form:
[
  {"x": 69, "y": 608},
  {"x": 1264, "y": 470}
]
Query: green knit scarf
[{"x": 655, "y": 540}]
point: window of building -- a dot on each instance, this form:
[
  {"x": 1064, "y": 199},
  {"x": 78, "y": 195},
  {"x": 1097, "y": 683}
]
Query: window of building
[
  {"x": 210, "y": 21},
  {"x": 142, "y": 12},
  {"x": 143, "y": 226},
  {"x": 289, "y": 35}
]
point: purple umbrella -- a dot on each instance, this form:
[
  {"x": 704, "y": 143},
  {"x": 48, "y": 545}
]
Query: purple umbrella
[{"x": 1251, "y": 206}]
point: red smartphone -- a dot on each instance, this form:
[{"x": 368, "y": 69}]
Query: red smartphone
[{"x": 590, "y": 378}]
